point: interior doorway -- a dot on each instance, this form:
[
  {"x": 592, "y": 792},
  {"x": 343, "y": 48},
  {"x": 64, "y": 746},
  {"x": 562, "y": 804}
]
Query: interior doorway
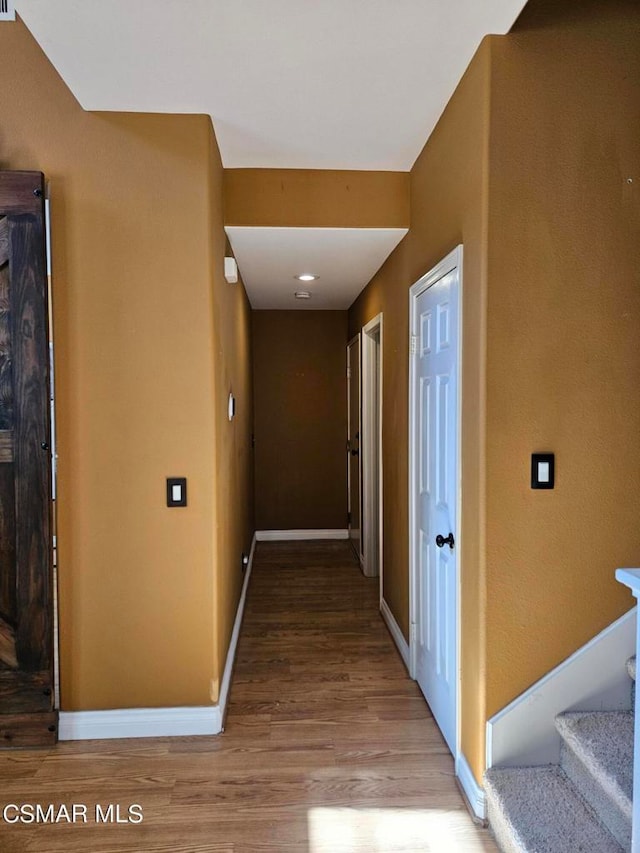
[
  {"x": 371, "y": 445},
  {"x": 434, "y": 489},
  {"x": 354, "y": 480}
]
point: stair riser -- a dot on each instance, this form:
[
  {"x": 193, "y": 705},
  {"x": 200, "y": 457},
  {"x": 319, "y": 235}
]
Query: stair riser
[{"x": 609, "y": 812}]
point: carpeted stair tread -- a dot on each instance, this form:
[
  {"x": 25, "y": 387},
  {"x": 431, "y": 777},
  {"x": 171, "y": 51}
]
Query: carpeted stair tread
[
  {"x": 537, "y": 810},
  {"x": 597, "y": 756},
  {"x": 631, "y": 667},
  {"x": 603, "y": 740}
]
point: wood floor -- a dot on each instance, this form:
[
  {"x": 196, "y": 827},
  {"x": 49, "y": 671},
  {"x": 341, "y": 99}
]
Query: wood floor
[{"x": 329, "y": 747}]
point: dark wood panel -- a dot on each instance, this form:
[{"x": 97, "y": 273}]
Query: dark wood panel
[
  {"x": 6, "y": 445},
  {"x": 28, "y": 730},
  {"x": 8, "y": 656},
  {"x": 4, "y": 241},
  {"x": 7, "y": 491},
  {"x": 7, "y": 545},
  {"x": 6, "y": 372},
  {"x": 29, "y": 339},
  {"x": 21, "y": 692},
  {"x": 26, "y": 600},
  {"x": 21, "y": 192}
]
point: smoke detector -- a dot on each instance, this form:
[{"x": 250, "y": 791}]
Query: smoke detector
[{"x": 230, "y": 267}]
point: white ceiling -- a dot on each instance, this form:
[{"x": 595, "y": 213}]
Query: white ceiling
[
  {"x": 345, "y": 259},
  {"x": 317, "y": 84}
]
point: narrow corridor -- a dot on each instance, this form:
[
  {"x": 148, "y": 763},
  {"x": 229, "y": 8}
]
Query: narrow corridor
[{"x": 343, "y": 752}]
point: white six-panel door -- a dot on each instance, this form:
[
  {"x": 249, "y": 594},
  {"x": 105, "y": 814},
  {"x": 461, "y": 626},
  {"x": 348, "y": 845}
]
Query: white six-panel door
[{"x": 434, "y": 419}]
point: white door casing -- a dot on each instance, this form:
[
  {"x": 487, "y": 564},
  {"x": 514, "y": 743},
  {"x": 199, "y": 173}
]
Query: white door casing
[
  {"x": 434, "y": 489},
  {"x": 371, "y": 448},
  {"x": 354, "y": 474}
]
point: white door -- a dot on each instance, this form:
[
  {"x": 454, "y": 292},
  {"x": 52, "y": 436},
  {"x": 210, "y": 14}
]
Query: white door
[
  {"x": 434, "y": 486},
  {"x": 371, "y": 447},
  {"x": 353, "y": 445}
]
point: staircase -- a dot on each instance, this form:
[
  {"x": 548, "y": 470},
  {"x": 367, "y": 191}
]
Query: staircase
[{"x": 582, "y": 805}]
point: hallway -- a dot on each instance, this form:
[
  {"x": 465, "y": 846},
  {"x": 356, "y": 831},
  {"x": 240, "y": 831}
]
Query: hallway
[
  {"x": 349, "y": 757},
  {"x": 328, "y": 747}
]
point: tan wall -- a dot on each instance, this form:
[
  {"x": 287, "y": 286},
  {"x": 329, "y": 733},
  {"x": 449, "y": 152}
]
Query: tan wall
[
  {"x": 132, "y": 216},
  {"x": 563, "y": 360},
  {"x": 561, "y": 297},
  {"x": 234, "y": 453},
  {"x": 448, "y": 207},
  {"x": 313, "y": 198},
  {"x": 299, "y": 375}
]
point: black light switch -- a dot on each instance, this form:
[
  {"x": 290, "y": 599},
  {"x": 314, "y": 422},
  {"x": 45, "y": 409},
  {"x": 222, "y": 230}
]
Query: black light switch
[
  {"x": 176, "y": 491},
  {"x": 542, "y": 470}
]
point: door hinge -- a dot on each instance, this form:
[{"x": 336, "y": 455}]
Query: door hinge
[
  {"x": 348, "y": 373},
  {"x": 348, "y": 518},
  {"x": 413, "y": 344}
]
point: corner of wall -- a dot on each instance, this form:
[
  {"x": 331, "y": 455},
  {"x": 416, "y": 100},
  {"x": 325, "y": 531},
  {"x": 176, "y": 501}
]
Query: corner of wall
[{"x": 232, "y": 525}]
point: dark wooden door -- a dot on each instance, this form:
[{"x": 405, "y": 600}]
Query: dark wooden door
[{"x": 26, "y": 586}]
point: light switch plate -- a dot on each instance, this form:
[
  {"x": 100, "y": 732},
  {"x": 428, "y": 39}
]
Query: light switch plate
[
  {"x": 7, "y": 10},
  {"x": 542, "y": 471},
  {"x": 176, "y": 491}
]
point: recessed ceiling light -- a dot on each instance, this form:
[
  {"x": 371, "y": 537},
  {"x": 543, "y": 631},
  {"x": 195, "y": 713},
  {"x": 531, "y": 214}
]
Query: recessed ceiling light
[
  {"x": 307, "y": 276},
  {"x": 302, "y": 294}
]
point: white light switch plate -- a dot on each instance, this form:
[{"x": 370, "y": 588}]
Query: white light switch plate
[{"x": 543, "y": 472}]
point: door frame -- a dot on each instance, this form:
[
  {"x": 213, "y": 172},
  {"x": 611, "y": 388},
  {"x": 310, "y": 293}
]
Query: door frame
[
  {"x": 54, "y": 453},
  {"x": 355, "y": 339},
  {"x": 453, "y": 260},
  {"x": 371, "y": 449}
]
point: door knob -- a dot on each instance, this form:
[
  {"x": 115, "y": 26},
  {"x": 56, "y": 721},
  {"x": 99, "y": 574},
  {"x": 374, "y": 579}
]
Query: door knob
[
  {"x": 355, "y": 452},
  {"x": 441, "y": 540}
]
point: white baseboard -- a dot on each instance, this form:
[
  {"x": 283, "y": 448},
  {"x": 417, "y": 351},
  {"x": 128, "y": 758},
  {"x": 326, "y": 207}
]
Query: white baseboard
[
  {"x": 160, "y": 722},
  {"x": 139, "y": 722},
  {"x": 593, "y": 679},
  {"x": 396, "y": 633},
  {"x": 235, "y": 635},
  {"x": 473, "y": 792},
  {"x": 293, "y": 535}
]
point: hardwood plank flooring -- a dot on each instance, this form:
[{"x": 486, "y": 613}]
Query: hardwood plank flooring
[{"x": 329, "y": 747}]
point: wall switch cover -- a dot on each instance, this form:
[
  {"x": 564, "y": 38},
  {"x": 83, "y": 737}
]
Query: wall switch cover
[
  {"x": 542, "y": 470},
  {"x": 176, "y": 491},
  {"x": 7, "y": 10}
]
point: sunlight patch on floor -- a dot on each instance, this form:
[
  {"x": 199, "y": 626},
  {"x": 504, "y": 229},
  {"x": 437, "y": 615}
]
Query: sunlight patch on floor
[{"x": 332, "y": 830}]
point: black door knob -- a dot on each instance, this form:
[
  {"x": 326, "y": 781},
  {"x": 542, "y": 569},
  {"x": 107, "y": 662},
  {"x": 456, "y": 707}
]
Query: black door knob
[
  {"x": 441, "y": 540},
  {"x": 355, "y": 452}
]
